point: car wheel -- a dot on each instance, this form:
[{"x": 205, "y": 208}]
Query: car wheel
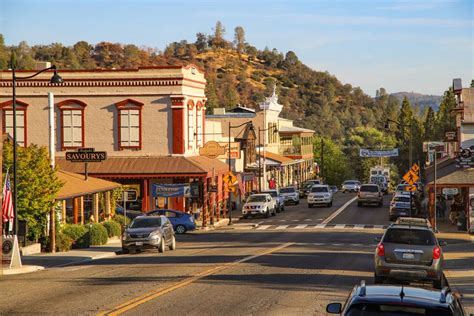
[
  {"x": 310, "y": 205},
  {"x": 274, "y": 213},
  {"x": 438, "y": 284},
  {"x": 378, "y": 279},
  {"x": 125, "y": 250},
  {"x": 391, "y": 218},
  {"x": 297, "y": 202},
  {"x": 245, "y": 216},
  {"x": 162, "y": 246},
  {"x": 173, "y": 243},
  {"x": 180, "y": 229},
  {"x": 282, "y": 208},
  {"x": 380, "y": 203},
  {"x": 278, "y": 209},
  {"x": 267, "y": 213},
  {"x": 359, "y": 204},
  {"x": 330, "y": 204}
]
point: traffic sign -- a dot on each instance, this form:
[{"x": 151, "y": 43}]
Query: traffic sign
[
  {"x": 410, "y": 177},
  {"x": 410, "y": 188},
  {"x": 415, "y": 168},
  {"x": 230, "y": 181}
]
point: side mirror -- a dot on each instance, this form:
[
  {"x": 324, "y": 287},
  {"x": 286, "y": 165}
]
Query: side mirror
[
  {"x": 377, "y": 239},
  {"x": 442, "y": 243},
  {"x": 334, "y": 308}
]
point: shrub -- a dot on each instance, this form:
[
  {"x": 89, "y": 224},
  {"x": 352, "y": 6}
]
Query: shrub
[
  {"x": 113, "y": 228},
  {"x": 98, "y": 234},
  {"x": 63, "y": 242},
  {"x": 79, "y": 235},
  {"x": 122, "y": 220}
]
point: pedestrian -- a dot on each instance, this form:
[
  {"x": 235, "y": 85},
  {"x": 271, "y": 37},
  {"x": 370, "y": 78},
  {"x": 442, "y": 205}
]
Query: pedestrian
[
  {"x": 453, "y": 214},
  {"x": 442, "y": 203}
]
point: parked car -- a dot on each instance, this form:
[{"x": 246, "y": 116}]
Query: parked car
[
  {"x": 392, "y": 300},
  {"x": 400, "y": 206},
  {"x": 306, "y": 186},
  {"x": 350, "y": 186},
  {"x": 320, "y": 194},
  {"x": 370, "y": 194},
  {"x": 290, "y": 194},
  {"x": 181, "y": 221},
  {"x": 409, "y": 252},
  {"x": 259, "y": 204},
  {"x": 279, "y": 199},
  {"x": 149, "y": 232},
  {"x": 130, "y": 213},
  {"x": 334, "y": 189}
]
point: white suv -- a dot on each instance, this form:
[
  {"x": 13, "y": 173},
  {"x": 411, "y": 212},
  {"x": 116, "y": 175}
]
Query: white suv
[
  {"x": 259, "y": 204},
  {"x": 320, "y": 194}
]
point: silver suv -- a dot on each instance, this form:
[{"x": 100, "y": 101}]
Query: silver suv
[
  {"x": 409, "y": 251},
  {"x": 350, "y": 186},
  {"x": 149, "y": 232},
  {"x": 370, "y": 194}
]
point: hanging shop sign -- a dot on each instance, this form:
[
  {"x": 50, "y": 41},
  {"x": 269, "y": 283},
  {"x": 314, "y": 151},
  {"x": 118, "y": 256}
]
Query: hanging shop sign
[
  {"x": 86, "y": 155},
  {"x": 465, "y": 158},
  {"x": 171, "y": 190},
  {"x": 377, "y": 153},
  {"x": 234, "y": 150},
  {"x": 450, "y": 136},
  {"x": 212, "y": 150}
]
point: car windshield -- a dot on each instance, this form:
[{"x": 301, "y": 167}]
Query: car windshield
[
  {"x": 349, "y": 183},
  {"x": 319, "y": 189},
  {"x": 402, "y": 199},
  {"x": 272, "y": 193},
  {"x": 146, "y": 222},
  {"x": 421, "y": 237},
  {"x": 369, "y": 188},
  {"x": 401, "y": 187},
  {"x": 256, "y": 198},
  {"x": 372, "y": 309},
  {"x": 287, "y": 190}
]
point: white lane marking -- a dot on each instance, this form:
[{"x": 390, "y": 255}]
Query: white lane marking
[
  {"x": 339, "y": 226},
  {"x": 261, "y": 227},
  {"x": 294, "y": 220},
  {"x": 318, "y": 244},
  {"x": 356, "y": 245},
  {"x": 337, "y": 244},
  {"x": 320, "y": 226},
  {"x": 282, "y": 226},
  {"x": 359, "y": 226},
  {"x": 378, "y": 226},
  {"x": 308, "y": 220},
  {"x": 300, "y": 226},
  {"x": 339, "y": 211},
  {"x": 282, "y": 220}
]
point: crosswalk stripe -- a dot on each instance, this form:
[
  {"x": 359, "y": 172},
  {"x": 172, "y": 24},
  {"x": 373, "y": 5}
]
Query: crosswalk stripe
[
  {"x": 282, "y": 226},
  {"x": 320, "y": 226},
  {"x": 300, "y": 226},
  {"x": 378, "y": 226},
  {"x": 359, "y": 226},
  {"x": 339, "y": 226},
  {"x": 261, "y": 227}
]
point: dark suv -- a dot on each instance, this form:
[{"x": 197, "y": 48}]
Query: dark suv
[
  {"x": 409, "y": 251},
  {"x": 398, "y": 300}
]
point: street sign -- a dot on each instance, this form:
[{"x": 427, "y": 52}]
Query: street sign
[
  {"x": 465, "y": 158},
  {"x": 230, "y": 181},
  {"x": 86, "y": 155},
  {"x": 213, "y": 188},
  {"x": 415, "y": 168},
  {"x": 212, "y": 150},
  {"x": 410, "y": 177},
  {"x": 450, "y": 136},
  {"x": 378, "y": 152},
  {"x": 410, "y": 188}
]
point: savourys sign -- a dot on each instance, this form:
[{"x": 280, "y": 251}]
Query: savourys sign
[{"x": 86, "y": 155}]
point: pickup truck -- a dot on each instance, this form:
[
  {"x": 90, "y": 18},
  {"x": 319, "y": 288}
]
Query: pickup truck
[
  {"x": 259, "y": 204},
  {"x": 279, "y": 199}
]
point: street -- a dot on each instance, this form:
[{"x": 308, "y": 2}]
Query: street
[{"x": 294, "y": 263}]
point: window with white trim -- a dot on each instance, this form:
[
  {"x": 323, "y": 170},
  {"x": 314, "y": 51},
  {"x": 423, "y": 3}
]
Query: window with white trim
[
  {"x": 190, "y": 127},
  {"x": 199, "y": 126},
  {"x": 20, "y": 125},
  {"x": 129, "y": 128},
  {"x": 72, "y": 128}
]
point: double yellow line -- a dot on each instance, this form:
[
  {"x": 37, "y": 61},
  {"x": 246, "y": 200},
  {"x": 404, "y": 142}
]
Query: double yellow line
[{"x": 133, "y": 303}]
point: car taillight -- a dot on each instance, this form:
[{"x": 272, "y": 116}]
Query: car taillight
[
  {"x": 380, "y": 250},
  {"x": 436, "y": 252}
]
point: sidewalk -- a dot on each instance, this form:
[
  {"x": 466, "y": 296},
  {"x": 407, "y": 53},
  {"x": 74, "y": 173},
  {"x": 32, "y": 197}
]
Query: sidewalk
[{"x": 60, "y": 259}]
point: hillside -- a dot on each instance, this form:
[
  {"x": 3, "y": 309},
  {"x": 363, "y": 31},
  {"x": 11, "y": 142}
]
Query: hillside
[
  {"x": 421, "y": 100},
  {"x": 237, "y": 73}
]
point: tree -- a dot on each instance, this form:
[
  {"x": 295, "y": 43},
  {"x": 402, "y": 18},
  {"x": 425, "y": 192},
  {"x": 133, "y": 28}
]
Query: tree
[
  {"x": 37, "y": 185},
  {"x": 472, "y": 83},
  {"x": 201, "y": 42},
  {"x": 445, "y": 117},
  {"x": 230, "y": 96},
  {"x": 239, "y": 39},
  {"x": 4, "y": 54},
  {"x": 429, "y": 125},
  {"x": 290, "y": 59},
  {"x": 404, "y": 134},
  {"x": 211, "y": 94},
  {"x": 218, "y": 40},
  {"x": 83, "y": 52},
  {"x": 336, "y": 166}
]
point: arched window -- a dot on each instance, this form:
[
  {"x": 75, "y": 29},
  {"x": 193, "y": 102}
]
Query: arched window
[
  {"x": 21, "y": 120},
  {"x": 72, "y": 123},
  {"x": 129, "y": 124}
]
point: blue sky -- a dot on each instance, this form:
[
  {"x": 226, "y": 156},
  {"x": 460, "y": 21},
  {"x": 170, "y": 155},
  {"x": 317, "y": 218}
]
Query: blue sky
[{"x": 401, "y": 45}]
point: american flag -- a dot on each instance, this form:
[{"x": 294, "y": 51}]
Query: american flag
[{"x": 7, "y": 206}]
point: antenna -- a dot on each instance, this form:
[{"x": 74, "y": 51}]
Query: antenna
[{"x": 402, "y": 294}]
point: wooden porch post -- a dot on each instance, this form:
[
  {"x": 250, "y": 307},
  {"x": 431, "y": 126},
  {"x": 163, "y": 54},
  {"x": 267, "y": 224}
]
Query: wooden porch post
[
  {"x": 81, "y": 207},
  {"x": 95, "y": 206},
  {"x": 64, "y": 214},
  {"x": 107, "y": 205},
  {"x": 205, "y": 203},
  {"x": 76, "y": 210},
  {"x": 145, "y": 196}
]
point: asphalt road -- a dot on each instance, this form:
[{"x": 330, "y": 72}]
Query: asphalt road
[{"x": 280, "y": 270}]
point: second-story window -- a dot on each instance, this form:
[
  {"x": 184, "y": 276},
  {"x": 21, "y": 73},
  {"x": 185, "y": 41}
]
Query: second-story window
[
  {"x": 7, "y": 119},
  {"x": 72, "y": 123},
  {"x": 129, "y": 124}
]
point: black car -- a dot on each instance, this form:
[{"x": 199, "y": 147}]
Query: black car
[{"x": 398, "y": 300}]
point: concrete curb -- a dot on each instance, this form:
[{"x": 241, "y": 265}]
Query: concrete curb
[{"x": 24, "y": 269}]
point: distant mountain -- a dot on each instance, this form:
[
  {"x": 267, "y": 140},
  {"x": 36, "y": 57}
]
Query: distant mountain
[{"x": 421, "y": 100}]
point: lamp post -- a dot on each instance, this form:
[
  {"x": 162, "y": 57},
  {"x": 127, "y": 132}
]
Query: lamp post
[
  {"x": 230, "y": 166},
  {"x": 55, "y": 79},
  {"x": 275, "y": 130}
]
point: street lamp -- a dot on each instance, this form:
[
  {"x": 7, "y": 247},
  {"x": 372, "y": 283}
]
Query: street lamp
[
  {"x": 387, "y": 127},
  {"x": 230, "y": 166},
  {"x": 275, "y": 130},
  {"x": 55, "y": 79}
]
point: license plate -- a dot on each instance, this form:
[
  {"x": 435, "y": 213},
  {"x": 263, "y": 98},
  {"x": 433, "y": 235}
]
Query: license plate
[
  {"x": 408, "y": 256},
  {"x": 139, "y": 243},
  {"x": 403, "y": 213}
]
